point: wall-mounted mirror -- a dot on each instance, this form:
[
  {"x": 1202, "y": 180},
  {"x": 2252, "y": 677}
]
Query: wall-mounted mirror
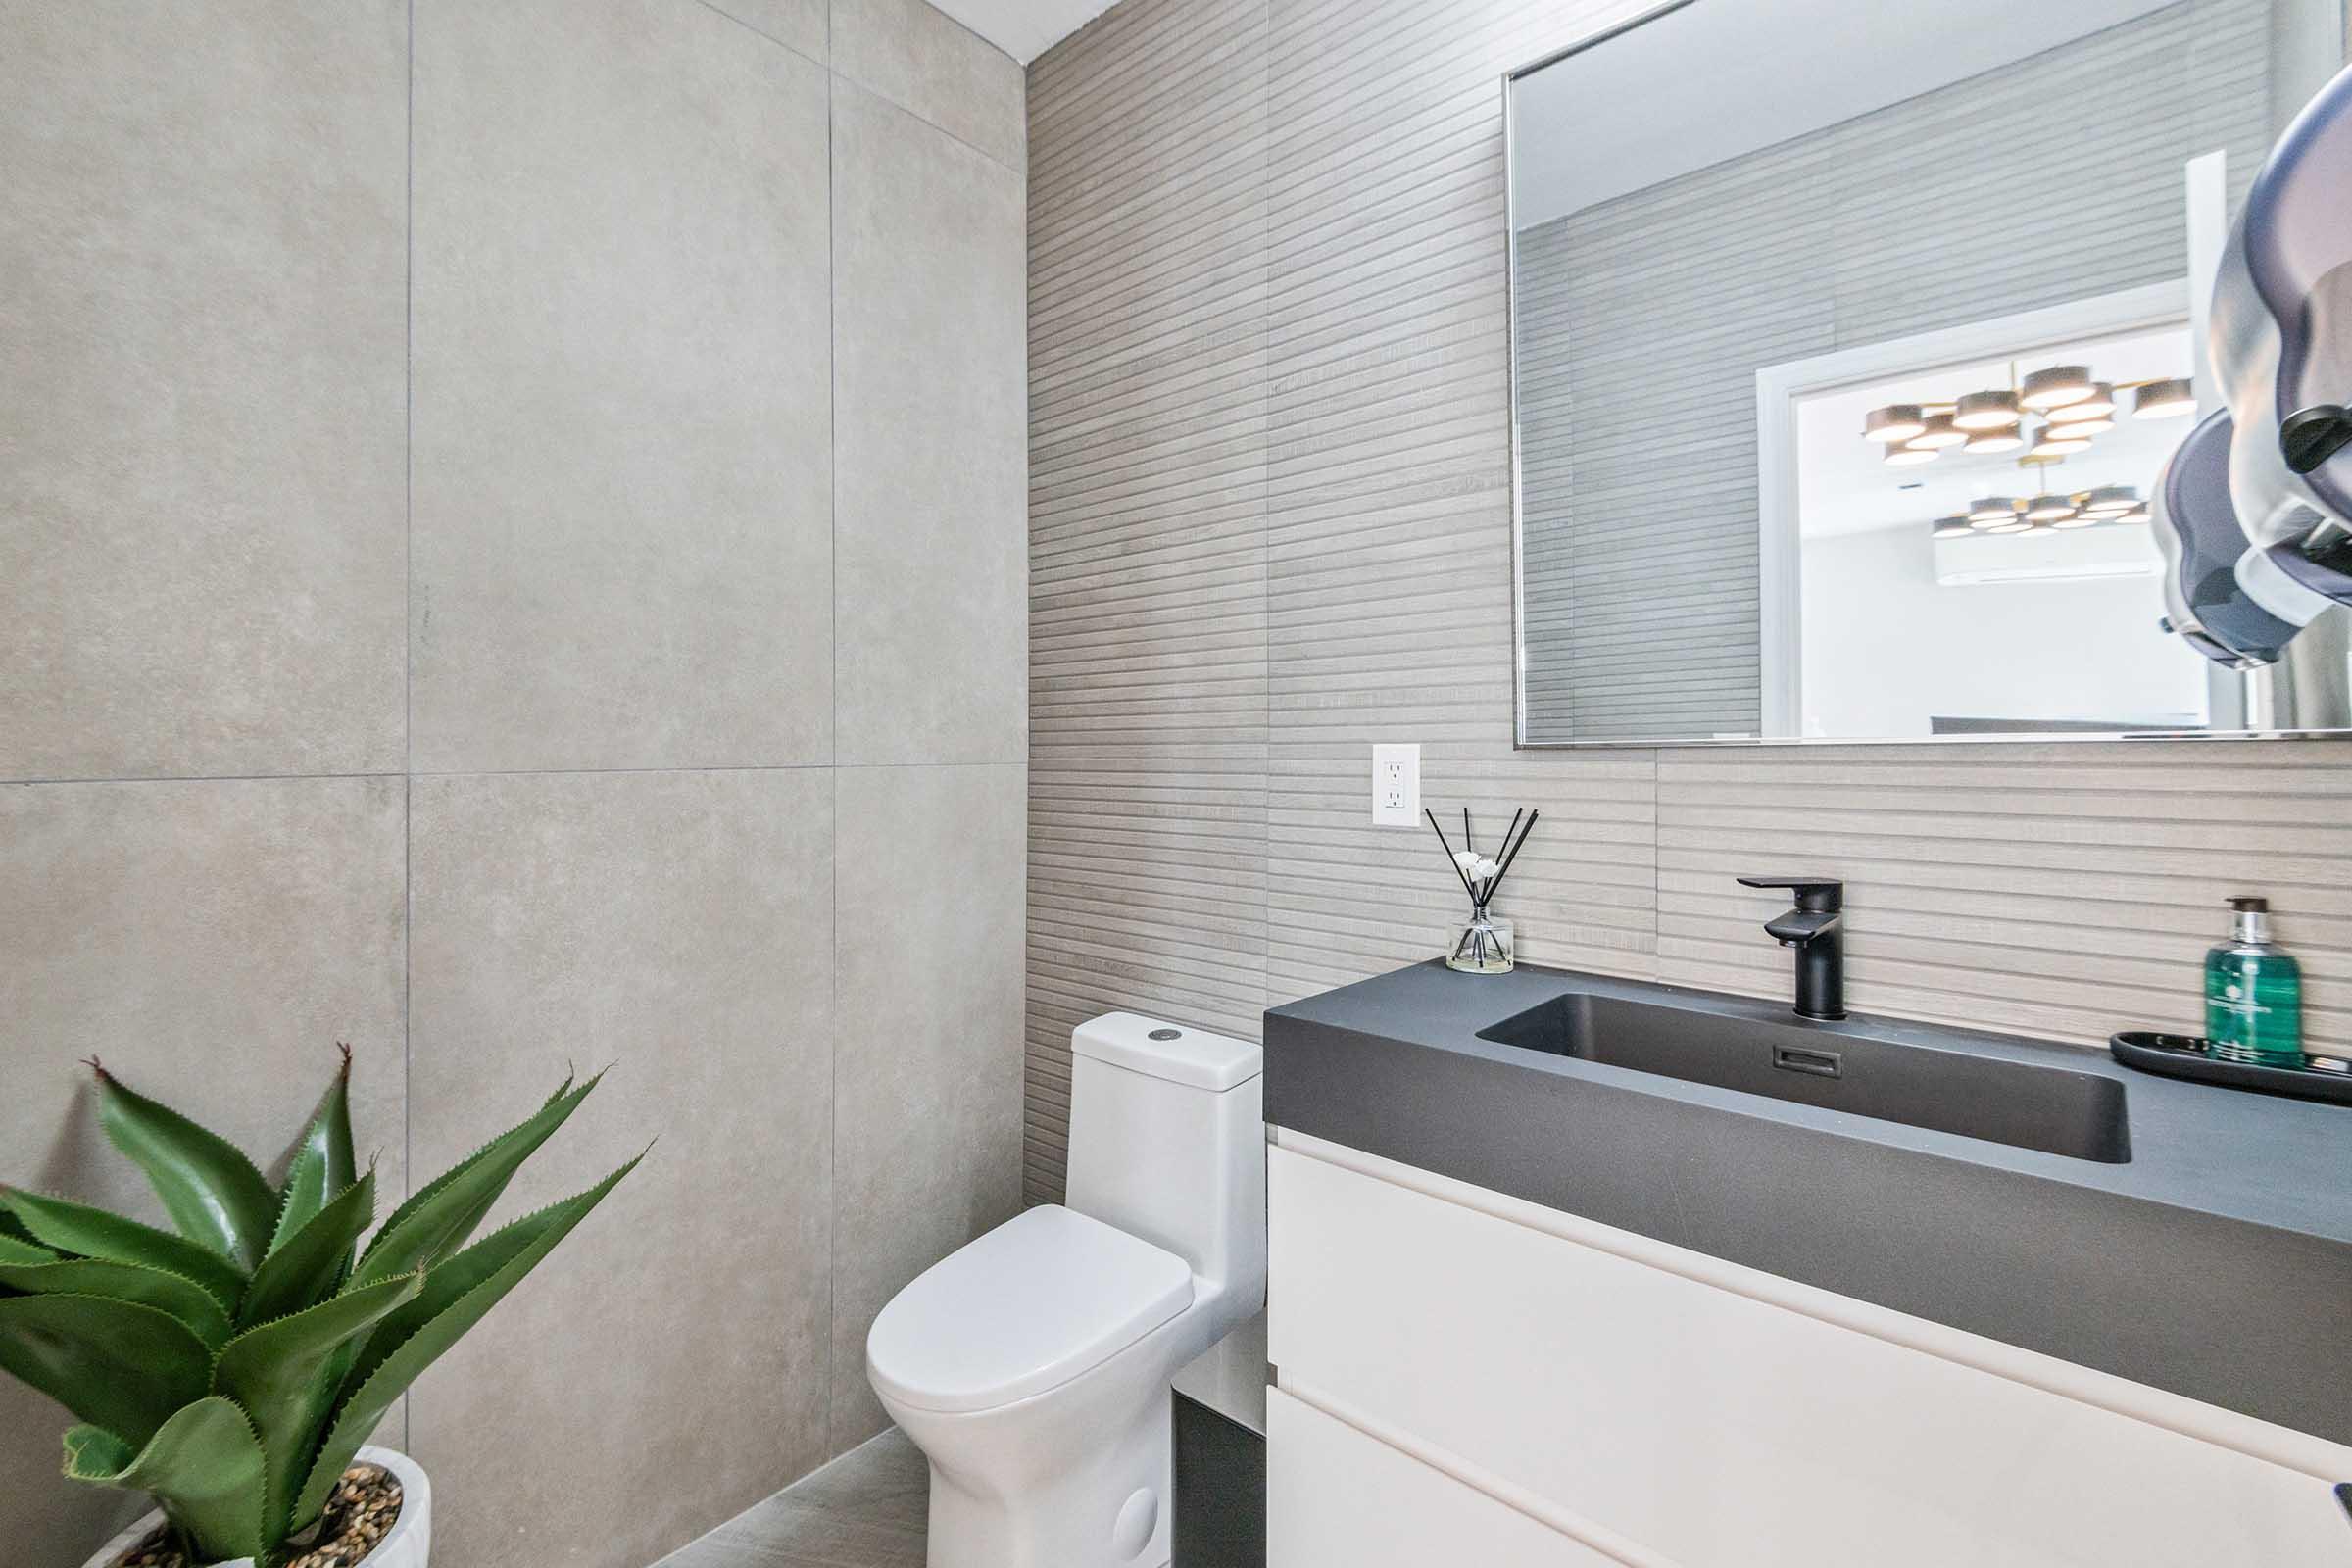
[{"x": 1849, "y": 345}]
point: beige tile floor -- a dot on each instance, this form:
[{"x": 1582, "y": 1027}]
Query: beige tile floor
[{"x": 865, "y": 1509}]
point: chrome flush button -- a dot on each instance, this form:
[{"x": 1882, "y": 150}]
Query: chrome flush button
[{"x": 1165, "y": 1034}]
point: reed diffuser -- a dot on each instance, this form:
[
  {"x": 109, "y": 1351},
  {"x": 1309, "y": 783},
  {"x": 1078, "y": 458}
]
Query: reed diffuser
[{"x": 1484, "y": 944}]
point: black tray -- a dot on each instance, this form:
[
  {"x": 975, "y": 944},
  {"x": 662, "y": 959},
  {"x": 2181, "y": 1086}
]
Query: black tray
[{"x": 2191, "y": 1056}]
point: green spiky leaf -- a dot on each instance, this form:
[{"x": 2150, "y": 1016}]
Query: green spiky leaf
[
  {"x": 116, "y": 1364},
  {"x": 12, "y": 1251},
  {"x": 305, "y": 1269},
  {"x": 454, "y": 1299},
  {"x": 277, "y": 1373},
  {"x": 86, "y": 1232},
  {"x": 182, "y": 1298},
  {"x": 323, "y": 1165},
  {"x": 93, "y": 1452},
  {"x": 438, "y": 1219},
  {"x": 207, "y": 1185},
  {"x": 204, "y": 1467}
]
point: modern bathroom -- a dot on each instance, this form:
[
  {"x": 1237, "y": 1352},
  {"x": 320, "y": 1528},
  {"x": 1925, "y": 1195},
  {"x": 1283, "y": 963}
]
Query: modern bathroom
[{"x": 1175, "y": 784}]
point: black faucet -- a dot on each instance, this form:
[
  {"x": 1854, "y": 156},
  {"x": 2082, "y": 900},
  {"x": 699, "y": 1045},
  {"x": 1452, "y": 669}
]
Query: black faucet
[{"x": 1816, "y": 929}]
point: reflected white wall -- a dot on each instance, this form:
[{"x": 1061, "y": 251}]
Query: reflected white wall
[{"x": 1887, "y": 648}]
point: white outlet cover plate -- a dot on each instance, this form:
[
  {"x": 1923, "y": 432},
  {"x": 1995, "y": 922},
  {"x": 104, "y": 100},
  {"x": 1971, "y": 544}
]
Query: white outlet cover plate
[{"x": 1396, "y": 786}]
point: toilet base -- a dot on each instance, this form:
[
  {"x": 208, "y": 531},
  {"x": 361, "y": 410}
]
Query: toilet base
[{"x": 1112, "y": 1508}]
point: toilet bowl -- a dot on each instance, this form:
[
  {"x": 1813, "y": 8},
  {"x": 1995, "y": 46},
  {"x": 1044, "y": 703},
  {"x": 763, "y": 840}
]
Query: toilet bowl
[{"x": 1031, "y": 1366}]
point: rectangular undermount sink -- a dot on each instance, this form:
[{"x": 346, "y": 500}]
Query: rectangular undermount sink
[{"x": 2057, "y": 1111}]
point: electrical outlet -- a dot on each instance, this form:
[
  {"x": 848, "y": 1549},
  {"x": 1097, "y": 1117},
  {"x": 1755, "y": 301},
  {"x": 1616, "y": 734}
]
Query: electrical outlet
[{"x": 1396, "y": 786}]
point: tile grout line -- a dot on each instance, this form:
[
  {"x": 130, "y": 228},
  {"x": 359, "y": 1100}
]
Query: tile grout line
[
  {"x": 1020, "y": 166},
  {"x": 487, "y": 772},
  {"x": 1265, "y": 517},
  {"x": 920, "y": 118},
  {"x": 407, "y": 783},
  {"x": 833, "y": 750}
]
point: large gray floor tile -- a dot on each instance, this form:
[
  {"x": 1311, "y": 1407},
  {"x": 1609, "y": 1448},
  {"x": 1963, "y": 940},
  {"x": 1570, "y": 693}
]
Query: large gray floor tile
[
  {"x": 210, "y": 941},
  {"x": 866, "y": 1509},
  {"x": 931, "y": 443},
  {"x": 202, "y": 346},
  {"x": 624, "y": 551},
  {"x": 927, "y": 1062},
  {"x": 675, "y": 926}
]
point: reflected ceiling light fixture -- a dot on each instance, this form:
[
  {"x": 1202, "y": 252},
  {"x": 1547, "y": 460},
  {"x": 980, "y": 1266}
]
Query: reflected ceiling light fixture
[
  {"x": 2073, "y": 407},
  {"x": 2164, "y": 400},
  {"x": 2056, "y": 386},
  {"x": 1987, "y": 410},
  {"x": 1896, "y": 423},
  {"x": 1939, "y": 432},
  {"x": 2084, "y": 410},
  {"x": 1990, "y": 515},
  {"x": 1904, "y": 457}
]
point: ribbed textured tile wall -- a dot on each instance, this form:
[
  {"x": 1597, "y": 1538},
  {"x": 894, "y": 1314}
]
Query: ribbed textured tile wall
[
  {"x": 1270, "y": 525},
  {"x": 1146, "y": 535}
]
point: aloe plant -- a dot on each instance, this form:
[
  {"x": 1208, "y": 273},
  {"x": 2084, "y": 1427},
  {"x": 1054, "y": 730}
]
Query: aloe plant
[{"x": 231, "y": 1367}]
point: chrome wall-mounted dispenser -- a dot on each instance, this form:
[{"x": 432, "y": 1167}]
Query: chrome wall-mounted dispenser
[{"x": 2254, "y": 510}]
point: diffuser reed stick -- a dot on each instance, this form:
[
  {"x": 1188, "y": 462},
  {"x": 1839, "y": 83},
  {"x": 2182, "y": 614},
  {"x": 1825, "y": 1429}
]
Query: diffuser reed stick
[{"x": 1481, "y": 876}]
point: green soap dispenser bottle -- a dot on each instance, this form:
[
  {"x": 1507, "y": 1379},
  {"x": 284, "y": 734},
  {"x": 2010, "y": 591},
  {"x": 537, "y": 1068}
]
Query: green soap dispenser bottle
[{"x": 2254, "y": 993}]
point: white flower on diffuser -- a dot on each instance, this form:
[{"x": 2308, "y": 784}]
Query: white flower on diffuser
[
  {"x": 1467, "y": 858},
  {"x": 1483, "y": 869}
]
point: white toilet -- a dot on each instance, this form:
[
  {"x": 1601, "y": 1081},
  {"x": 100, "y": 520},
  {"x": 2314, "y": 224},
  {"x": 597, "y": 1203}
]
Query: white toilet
[{"x": 1031, "y": 1366}]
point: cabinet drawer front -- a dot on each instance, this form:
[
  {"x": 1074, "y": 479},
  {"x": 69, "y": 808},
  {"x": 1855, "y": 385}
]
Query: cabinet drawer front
[
  {"x": 1335, "y": 1496},
  {"x": 1720, "y": 1431}
]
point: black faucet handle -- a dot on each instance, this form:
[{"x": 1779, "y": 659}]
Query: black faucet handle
[{"x": 1815, "y": 894}]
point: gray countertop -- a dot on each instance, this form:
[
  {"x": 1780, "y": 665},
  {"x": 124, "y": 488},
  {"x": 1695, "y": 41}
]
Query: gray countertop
[{"x": 2216, "y": 1263}]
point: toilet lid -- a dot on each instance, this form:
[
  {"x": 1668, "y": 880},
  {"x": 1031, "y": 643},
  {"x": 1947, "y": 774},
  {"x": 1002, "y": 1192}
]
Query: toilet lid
[{"x": 1030, "y": 1305}]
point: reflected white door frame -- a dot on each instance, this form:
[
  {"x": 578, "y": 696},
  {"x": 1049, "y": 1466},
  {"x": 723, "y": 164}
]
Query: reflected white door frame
[{"x": 1779, "y": 388}]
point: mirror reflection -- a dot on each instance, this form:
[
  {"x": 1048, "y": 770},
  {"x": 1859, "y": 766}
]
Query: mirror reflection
[{"x": 1845, "y": 379}]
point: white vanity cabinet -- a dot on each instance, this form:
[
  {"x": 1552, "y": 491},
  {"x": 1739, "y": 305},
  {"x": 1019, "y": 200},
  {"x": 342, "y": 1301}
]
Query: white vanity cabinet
[{"x": 1464, "y": 1377}]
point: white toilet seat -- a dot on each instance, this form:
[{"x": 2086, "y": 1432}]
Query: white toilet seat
[{"x": 1038, "y": 1301}]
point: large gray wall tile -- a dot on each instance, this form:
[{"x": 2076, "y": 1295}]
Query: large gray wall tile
[
  {"x": 928, "y": 1069},
  {"x": 623, "y": 572},
  {"x": 211, "y": 941},
  {"x": 928, "y": 62},
  {"x": 798, "y": 23},
  {"x": 668, "y": 1366},
  {"x": 622, "y": 533},
  {"x": 930, "y": 443},
  {"x": 200, "y": 562}
]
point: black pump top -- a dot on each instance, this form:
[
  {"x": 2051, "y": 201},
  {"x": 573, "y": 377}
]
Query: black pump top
[{"x": 2245, "y": 906}]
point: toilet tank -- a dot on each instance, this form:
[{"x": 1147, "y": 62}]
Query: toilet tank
[{"x": 1168, "y": 1143}]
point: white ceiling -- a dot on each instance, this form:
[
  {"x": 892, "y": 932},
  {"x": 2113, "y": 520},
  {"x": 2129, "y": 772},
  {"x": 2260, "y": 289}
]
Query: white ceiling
[
  {"x": 1024, "y": 29},
  {"x": 1723, "y": 78}
]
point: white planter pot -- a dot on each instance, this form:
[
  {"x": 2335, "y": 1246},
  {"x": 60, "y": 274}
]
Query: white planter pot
[{"x": 405, "y": 1547}]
